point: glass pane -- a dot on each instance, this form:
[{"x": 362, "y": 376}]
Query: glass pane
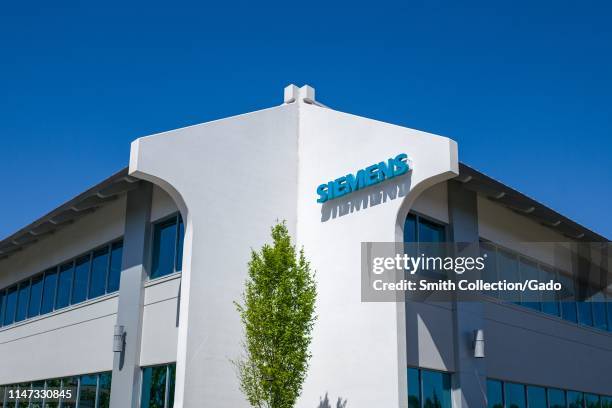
[
  {"x": 556, "y": 398},
  {"x": 104, "y": 392},
  {"x": 507, "y": 264},
  {"x": 575, "y": 399},
  {"x": 494, "y": 394},
  {"x": 49, "y": 291},
  {"x": 22, "y": 301},
  {"x": 609, "y": 304},
  {"x": 436, "y": 389},
  {"x": 536, "y": 397},
  {"x": 81, "y": 275},
  {"x": 489, "y": 274},
  {"x": 430, "y": 232},
  {"x": 599, "y": 311},
  {"x": 179, "y": 247},
  {"x": 550, "y": 300},
  {"x": 70, "y": 383},
  {"x": 529, "y": 271},
  {"x": 34, "y": 402},
  {"x": 55, "y": 383},
  {"x": 410, "y": 229},
  {"x": 35, "y": 296},
  {"x": 171, "y": 383},
  {"x": 164, "y": 241},
  {"x": 99, "y": 266},
  {"x": 1, "y": 307},
  {"x": 591, "y": 401},
  {"x": 414, "y": 400},
  {"x": 153, "y": 387},
  {"x": 87, "y": 391},
  {"x": 114, "y": 274},
  {"x": 515, "y": 395},
  {"x": 10, "y": 304},
  {"x": 64, "y": 285},
  {"x": 24, "y": 403},
  {"x": 568, "y": 304},
  {"x": 585, "y": 313}
]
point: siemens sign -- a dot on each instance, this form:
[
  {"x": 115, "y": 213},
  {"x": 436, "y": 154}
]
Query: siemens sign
[{"x": 374, "y": 174}]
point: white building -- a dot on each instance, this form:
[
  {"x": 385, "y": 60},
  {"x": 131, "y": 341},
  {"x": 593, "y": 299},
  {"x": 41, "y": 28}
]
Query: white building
[{"x": 230, "y": 180}]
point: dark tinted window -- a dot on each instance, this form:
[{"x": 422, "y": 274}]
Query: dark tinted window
[
  {"x": 87, "y": 391},
  {"x": 10, "y": 304},
  {"x": 494, "y": 394},
  {"x": 414, "y": 388},
  {"x": 164, "y": 246},
  {"x": 22, "y": 301},
  {"x": 515, "y": 395},
  {"x": 529, "y": 271},
  {"x": 114, "y": 274},
  {"x": 35, "y": 296},
  {"x": 410, "y": 229},
  {"x": 575, "y": 399},
  {"x": 591, "y": 401},
  {"x": 81, "y": 276},
  {"x": 64, "y": 285},
  {"x": 536, "y": 397},
  {"x": 99, "y": 266},
  {"x": 153, "y": 387},
  {"x": 436, "y": 389},
  {"x": 1, "y": 308},
  {"x": 556, "y": 398},
  {"x": 430, "y": 232},
  {"x": 104, "y": 390},
  {"x": 49, "y": 291},
  {"x": 550, "y": 300}
]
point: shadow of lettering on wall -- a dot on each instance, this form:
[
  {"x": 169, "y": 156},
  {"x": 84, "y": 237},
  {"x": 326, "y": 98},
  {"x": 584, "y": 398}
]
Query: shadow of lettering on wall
[{"x": 369, "y": 197}]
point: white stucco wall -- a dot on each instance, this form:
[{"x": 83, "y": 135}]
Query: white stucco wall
[{"x": 232, "y": 179}]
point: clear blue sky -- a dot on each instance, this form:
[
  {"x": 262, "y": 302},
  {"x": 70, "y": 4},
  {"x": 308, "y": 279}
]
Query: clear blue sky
[{"x": 525, "y": 87}]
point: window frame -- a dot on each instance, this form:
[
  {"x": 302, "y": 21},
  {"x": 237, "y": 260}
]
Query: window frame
[{"x": 178, "y": 219}]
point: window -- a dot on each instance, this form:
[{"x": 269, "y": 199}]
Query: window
[
  {"x": 23, "y": 298},
  {"x": 87, "y": 391},
  {"x": 536, "y": 397},
  {"x": 529, "y": 270},
  {"x": 92, "y": 390},
  {"x": 594, "y": 308},
  {"x": 81, "y": 277},
  {"x": 168, "y": 236},
  {"x": 158, "y": 386},
  {"x": 414, "y": 388},
  {"x": 10, "y": 304},
  {"x": 495, "y": 397},
  {"x": 591, "y": 401},
  {"x": 99, "y": 267},
  {"x": 428, "y": 389},
  {"x": 420, "y": 229},
  {"x": 64, "y": 285},
  {"x": 90, "y": 275},
  {"x": 35, "y": 296},
  {"x": 114, "y": 273},
  {"x": 514, "y": 395},
  {"x": 556, "y": 398},
  {"x": 575, "y": 399},
  {"x": 49, "y": 291}
]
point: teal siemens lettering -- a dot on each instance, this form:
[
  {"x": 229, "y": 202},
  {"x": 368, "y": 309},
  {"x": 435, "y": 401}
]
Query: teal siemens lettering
[{"x": 374, "y": 174}]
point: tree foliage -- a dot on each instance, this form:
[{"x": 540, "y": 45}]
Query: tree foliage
[{"x": 278, "y": 314}]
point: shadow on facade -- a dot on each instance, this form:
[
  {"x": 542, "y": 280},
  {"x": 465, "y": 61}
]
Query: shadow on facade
[{"x": 369, "y": 197}]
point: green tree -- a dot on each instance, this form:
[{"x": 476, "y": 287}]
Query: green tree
[{"x": 278, "y": 314}]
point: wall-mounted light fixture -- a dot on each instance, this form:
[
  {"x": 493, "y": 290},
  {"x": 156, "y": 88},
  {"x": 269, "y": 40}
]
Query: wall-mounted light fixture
[
  {"x": 479, "y": 343},
  {"x": 118, "y": 339}
]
